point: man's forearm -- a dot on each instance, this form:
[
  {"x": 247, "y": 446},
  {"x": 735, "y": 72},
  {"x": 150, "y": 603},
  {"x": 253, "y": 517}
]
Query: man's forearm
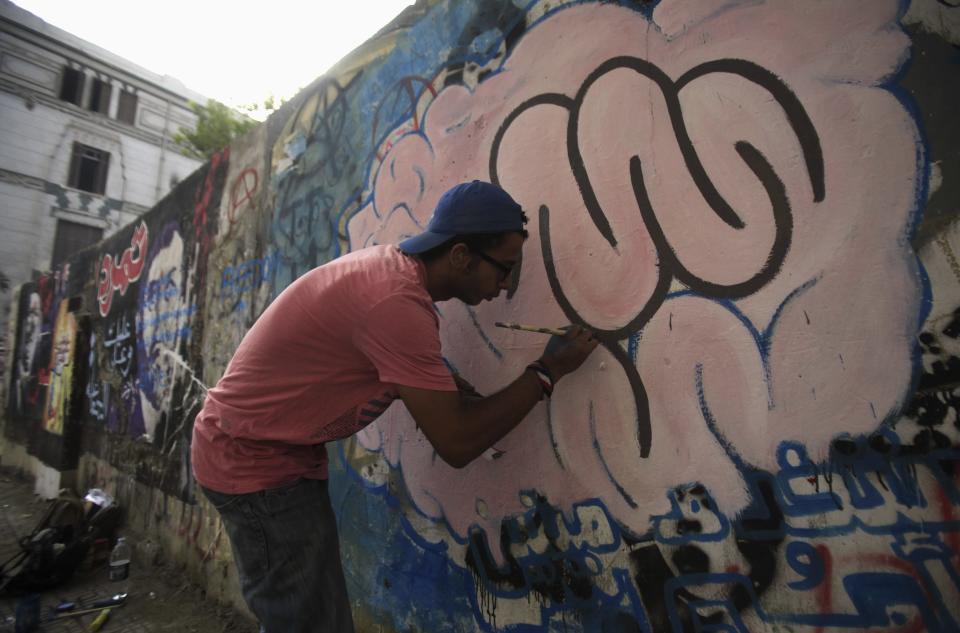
[
  {"x": 461, "y": 427},
  {"x": 482, "y": 422}
]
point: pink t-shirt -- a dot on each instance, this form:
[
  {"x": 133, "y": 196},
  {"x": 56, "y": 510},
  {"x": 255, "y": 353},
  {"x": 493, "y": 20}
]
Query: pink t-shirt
[{"x": 320, "y": 363}]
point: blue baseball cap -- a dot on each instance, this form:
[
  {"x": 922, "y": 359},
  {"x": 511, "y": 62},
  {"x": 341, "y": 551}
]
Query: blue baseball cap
[{"x": 468, "y": 208}]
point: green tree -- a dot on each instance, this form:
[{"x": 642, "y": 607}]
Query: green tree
[
  {"x": 260, "y": 111},
  {"x": 217, "y": 126}
]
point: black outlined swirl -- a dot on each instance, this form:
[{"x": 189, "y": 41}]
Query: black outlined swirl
[{"x": 671, "y": 267}]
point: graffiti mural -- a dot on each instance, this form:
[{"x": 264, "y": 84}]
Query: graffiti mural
[
  {"x": 163, "y": 319},
  {"x": 316, "y": 177},
  {"x": 43, "y": 377},
  {"x": 120, "y": 342},
  {"x": 242, "y": 265},
  {"x": 117, "y": 273},
  {"x": 30, "y": 355},
  {"x": 698, "y": 402},
  {"x": 60, "y": 371},
  {"x": 39, "y": 330},
  {"x": 111, "y": 361},
  {"x": 749, "y": 201},
  {"x": 97, "y": 391},
  {"x": 700, "y": 175}
]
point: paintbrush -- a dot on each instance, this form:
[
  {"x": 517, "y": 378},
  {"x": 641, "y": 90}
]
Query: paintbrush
[
  {"x": 530, "y": 328},
  {"x": 73, "y": 614}
]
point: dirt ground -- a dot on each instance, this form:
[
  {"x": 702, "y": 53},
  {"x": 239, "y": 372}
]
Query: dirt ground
[{"x": 158, "y": 598}]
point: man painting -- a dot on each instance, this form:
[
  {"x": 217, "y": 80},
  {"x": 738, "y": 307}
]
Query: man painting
[{"x": 326, "y": 358}]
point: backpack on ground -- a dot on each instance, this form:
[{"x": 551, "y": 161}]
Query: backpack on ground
[{"x": 56, "y": 547}]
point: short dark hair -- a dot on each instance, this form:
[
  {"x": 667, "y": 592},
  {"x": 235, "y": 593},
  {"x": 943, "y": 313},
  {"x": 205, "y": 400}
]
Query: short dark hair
[{"x": 474, "y": 242}]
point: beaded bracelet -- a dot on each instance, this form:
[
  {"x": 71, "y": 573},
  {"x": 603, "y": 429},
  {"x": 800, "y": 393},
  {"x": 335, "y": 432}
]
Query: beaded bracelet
[{"x": 543, "y": 376}]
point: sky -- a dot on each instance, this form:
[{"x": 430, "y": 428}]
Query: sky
[{"x": 237, "y": 52}]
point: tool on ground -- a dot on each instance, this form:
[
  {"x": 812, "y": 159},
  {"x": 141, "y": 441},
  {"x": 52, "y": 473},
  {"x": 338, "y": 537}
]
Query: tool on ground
[
  {"x": 69, "y": 608},
  {"x": 530, "y": 328},
  {"x": 112, "y": 601},
  {"x": 102, "y": 607},
  {"x": 73, "y": 614},
  {"x": 97, "y": 623}
]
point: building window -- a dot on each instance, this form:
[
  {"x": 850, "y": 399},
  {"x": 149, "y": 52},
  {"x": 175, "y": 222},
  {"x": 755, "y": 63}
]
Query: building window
[
  {"x": 88, "y": 169},
  {"x": 71, "y": 238},
  {"x": 99, "y": 96},
  {"x": 127, "y": 107},
  {"x": 71, "y": 85}
]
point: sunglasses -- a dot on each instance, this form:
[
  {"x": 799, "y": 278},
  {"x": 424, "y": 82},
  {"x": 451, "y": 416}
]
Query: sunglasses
[{"x": 504, "y": 269}]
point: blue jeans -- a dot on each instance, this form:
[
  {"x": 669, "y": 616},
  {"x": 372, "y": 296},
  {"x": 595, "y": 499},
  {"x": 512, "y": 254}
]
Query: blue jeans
[{"x": 287, "y": 552}]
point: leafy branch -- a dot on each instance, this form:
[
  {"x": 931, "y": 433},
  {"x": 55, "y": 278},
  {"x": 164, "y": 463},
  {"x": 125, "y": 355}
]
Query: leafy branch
[{"x": 217, "y": 127}]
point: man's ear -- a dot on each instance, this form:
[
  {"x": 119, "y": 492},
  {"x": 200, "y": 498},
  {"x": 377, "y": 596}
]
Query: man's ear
[{"x": 461, "y": 259}]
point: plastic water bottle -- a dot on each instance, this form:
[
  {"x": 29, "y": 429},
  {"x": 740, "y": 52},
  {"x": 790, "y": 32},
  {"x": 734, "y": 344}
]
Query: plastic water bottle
[{"x": 120, "y": 560}]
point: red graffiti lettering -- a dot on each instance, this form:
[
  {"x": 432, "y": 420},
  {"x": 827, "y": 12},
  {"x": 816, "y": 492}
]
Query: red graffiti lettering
[
  {"x": 117, "y": 274},
  {"x": 242, "y": 191},
  {"x": 203, "y": 196}
]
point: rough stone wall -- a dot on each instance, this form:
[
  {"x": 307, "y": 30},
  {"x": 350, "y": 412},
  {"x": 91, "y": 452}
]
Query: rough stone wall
[{"x": 755, "y": 205}]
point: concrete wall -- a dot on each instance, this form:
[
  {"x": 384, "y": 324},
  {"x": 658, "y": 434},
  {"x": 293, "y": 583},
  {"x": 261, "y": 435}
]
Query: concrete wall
[{"x": 754, "y": 203}]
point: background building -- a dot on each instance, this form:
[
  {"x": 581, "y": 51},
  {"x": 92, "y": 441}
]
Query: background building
[{"x": 85, "y": 143}]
